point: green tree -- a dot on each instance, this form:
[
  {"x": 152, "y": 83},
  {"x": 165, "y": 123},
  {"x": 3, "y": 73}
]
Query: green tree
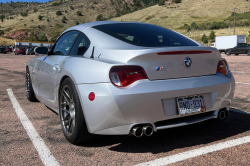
[
  {"x": 40, "y": 17},
  {"x": 193, "y": 26},
  {"x": 71, "y": 7},
  {"x": 99, "y": 17},
  {"x": 77, "y": 23},
  {"x": 64, "y": 19},
  {"x": 24, "y": 14},
  {"x": 79, "y": 13},
  {"x": 212, "y": 36},
  {"x": 58, "y": 13},
  {"x": 1, "y": 32},
  {"x": 47, "y": 20},
  {"x": 42, "y": 36},
  {"x": 161, "y": 2},
  {"x": 204, "y": 39},
  {"x": 35, "y": 10},
  {"x": 177, "y": 1}
]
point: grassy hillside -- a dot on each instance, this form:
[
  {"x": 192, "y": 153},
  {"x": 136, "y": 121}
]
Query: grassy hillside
[
  {"x": 173, "y": 16},
  {"x": 170, "y": 15},
  {"x": 22, "y": 16}
]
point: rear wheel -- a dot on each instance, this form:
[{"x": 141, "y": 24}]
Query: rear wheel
[
  {"x": 236, "y": 54},
  {"x": 29, "y": 89},
  {"x": 71, "y": 114},
  {"x": 228, "y": 53}
]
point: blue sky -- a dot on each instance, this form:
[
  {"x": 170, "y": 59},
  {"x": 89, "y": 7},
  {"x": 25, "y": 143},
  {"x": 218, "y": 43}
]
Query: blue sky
[{"x": 4, "y": 1}]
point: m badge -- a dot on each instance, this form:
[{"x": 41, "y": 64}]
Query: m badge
[{"x": 160, "y": 68}]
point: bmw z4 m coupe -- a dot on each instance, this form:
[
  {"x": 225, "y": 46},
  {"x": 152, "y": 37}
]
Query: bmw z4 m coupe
[{"x": 120, "y": 78}]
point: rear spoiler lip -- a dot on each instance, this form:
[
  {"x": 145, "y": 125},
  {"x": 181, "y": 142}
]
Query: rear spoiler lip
[{"x": 184, "y": 52}]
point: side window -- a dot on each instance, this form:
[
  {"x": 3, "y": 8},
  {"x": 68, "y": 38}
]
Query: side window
[
  {"x": 81, "y": 45},
  {"x": 64, "y": 44}
]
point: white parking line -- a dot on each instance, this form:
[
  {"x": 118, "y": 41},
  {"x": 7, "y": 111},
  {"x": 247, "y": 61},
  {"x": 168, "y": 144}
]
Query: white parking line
[
  {"x": 43, "y": 151},
  {"x": 242, "y": 83},
  {"x": 198, "y": 152},
  {"x": 241, "y": 72}
]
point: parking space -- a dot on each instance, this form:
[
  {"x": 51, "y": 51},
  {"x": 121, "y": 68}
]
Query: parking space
[{"x": 18, "y": 149}]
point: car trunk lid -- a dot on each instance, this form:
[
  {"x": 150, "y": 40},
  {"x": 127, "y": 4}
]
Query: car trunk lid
[{"x": 169, "y": 63}]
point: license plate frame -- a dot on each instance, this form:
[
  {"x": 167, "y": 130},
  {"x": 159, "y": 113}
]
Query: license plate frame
[{"x": 191, "y": 111}]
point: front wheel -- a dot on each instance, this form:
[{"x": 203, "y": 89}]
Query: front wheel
[
  {"x": 71, "y": 114},
  {"x": 248, "y": 52},
  {"x": 236, "y": 54}
]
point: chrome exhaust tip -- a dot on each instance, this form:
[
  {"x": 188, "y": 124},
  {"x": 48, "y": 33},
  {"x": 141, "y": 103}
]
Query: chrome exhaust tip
[
  {"x": 227, "y": 113},
  {"x": 137, "y": 132},
  {"x": 147, "y": 130},
  {"x": 222, "y": 114}
]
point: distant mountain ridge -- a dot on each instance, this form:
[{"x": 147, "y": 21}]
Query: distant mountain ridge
[{"x": 50, "y": 19}]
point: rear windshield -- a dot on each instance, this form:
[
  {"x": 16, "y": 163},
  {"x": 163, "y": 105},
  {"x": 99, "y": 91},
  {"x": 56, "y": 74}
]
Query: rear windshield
[{"x": 145, "y": 35}]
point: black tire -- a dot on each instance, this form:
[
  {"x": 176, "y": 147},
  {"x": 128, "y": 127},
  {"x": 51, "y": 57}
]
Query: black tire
[
  {"x": 78, "y": 133},
  {"x": 29, "y": 89},
  {"x": 248, "y": 53},
  {"x": 228, "y": 53},
  {"x": 236, "y": 54}
]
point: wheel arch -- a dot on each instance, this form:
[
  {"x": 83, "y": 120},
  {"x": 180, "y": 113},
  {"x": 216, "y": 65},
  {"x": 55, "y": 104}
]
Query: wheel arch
[{"x": 78, "y": 93}]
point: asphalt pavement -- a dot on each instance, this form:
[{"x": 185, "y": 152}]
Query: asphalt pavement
[{"x": 17, "y": 147}]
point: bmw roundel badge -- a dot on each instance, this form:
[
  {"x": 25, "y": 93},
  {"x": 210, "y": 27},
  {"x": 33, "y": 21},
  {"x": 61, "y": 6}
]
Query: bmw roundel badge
[{"x": 187, "y": 62}]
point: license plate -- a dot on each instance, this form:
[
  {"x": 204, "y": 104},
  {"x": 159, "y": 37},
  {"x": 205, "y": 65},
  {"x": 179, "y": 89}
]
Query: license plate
[{"x": 190, "y": 105}]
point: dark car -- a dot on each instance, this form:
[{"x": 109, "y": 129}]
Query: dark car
[
  {"x": 2, "y": 49},
  {"x": 241, "y": 48},
  {"x": 8, "y": 49}
]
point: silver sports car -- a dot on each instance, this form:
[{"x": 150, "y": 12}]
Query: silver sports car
[{"x": 120, "y": 78}]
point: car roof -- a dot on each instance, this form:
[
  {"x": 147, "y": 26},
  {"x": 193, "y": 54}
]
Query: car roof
[{"x": 84, "y": 26}]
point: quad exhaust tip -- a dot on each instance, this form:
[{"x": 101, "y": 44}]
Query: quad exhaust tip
[
  {"x": 137, "y": 132},
  {"x": 147, "y": 130}
]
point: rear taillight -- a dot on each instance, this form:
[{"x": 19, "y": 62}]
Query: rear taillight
[
  {"x": 222, "y": 67},
  {"x": 125, "y": 75}
]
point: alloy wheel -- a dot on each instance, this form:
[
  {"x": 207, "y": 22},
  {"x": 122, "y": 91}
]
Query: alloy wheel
[{"x": 67, "y": 110}]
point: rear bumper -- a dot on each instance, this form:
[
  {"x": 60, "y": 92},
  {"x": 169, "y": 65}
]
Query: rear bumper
[{"x": 115, "y": 110}]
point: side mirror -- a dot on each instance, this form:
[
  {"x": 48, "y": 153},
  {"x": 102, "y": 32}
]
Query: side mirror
[{"x": 41, "y": 50}]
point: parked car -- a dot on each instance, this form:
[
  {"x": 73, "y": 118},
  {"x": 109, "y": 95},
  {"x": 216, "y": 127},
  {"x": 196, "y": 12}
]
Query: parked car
[
  {"x": 2, "y": 49},
  {"x": 241, "y": 48},
  {"x": 121, "y": 78},
  {"x": 29, "y": 51},
  {"x": 20, "y": 51},
  {"x": 8, "y": 49}
]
